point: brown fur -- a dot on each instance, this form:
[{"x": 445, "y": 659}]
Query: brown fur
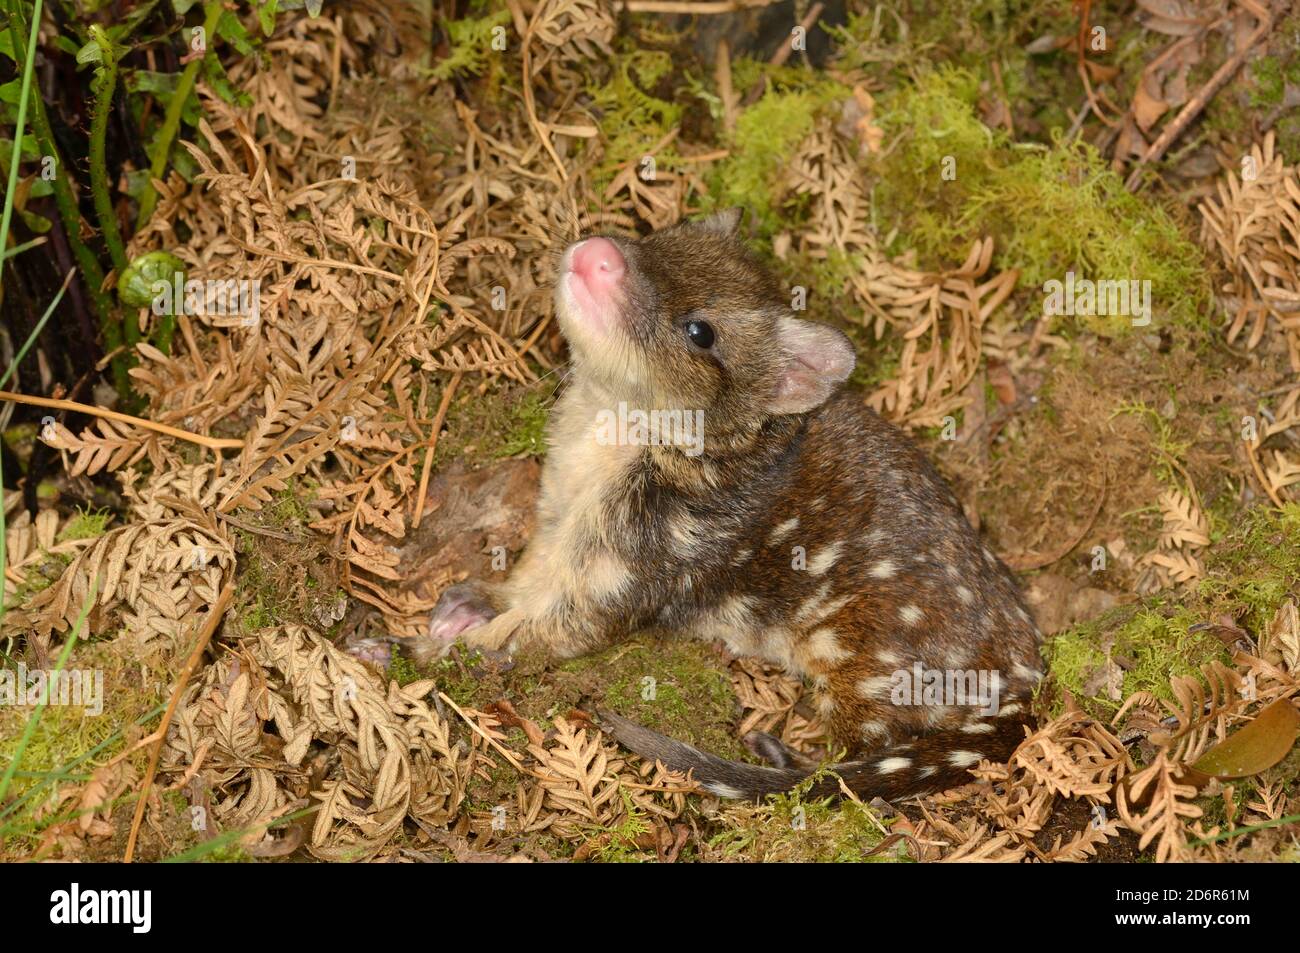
[{"x": 821, "y": 539}]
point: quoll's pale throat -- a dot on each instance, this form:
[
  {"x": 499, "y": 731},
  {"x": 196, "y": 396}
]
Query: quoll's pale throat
[{"x": 803, "y": 529}]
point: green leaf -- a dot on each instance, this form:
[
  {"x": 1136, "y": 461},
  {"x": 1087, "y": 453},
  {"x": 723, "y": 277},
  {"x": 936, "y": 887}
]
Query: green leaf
[
  {"x": 11, "y": 91},
  {"x": 30, "y": 150},
  {"x": 266, "y": 16},
  {"x": 136, "y": 181},
  {"x": 161, "y": 85},
  {"x": 232, "y": 31},
  {"x": 92, "y": 52},
  {"x": 215, "y": 74},
  {"x": 37, "y": 223},
  {"x": 1257, "y": 747}
]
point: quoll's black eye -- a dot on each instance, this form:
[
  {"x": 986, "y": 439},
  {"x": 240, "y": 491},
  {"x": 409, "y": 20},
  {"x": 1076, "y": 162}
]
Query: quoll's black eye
[{"x": 700, "y": 333}]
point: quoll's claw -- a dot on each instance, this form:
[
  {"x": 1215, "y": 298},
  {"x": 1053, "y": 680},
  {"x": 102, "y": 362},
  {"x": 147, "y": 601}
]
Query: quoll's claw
[
  {"x": 378, "y": 651},
  {"x": 459, "y": 608}
]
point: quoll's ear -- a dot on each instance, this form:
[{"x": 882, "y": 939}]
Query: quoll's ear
[
  {"x": 816, "y": 359},
  {"x": 725, "y": 223}
]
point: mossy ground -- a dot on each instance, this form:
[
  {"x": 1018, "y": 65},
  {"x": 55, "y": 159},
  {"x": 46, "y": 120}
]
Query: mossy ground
[
  {"x": 679, "y": 687},
  {"x": 64, "y": 735},
  {"x": 1250, "y": 570},
  {"x": 502, "y": 421}
]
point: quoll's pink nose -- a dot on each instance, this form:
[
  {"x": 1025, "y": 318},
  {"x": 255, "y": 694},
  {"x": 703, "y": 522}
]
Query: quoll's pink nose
[{"x": 599, "y": 263}]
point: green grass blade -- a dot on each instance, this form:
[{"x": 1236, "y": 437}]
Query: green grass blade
[{"x": 16, "y": 159}]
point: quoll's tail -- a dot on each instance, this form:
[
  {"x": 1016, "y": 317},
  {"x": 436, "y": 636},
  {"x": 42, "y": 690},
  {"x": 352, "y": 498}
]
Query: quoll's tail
[{"x": 931, "y": 762}]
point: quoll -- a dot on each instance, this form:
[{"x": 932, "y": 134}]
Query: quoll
[{"x": 802, "y": 528}]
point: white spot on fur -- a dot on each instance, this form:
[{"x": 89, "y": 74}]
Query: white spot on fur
[
  {"x": 977, "y": 728},
  {"x": 823, "y": 646},
  {"x": 818, "y": 607},
  {"x": 776, "y": 644},
  {"x": 1021, "y": 670},
  {"x": 877, "y": 686},
  {"x": 733, "y": 622},
  {"x": 1011, "y": 708},
  {"x": 890, "y": 765},
  {"x": 964, "y": 759},
  {"x": 825, "y": 559},
  {"x": 783, "y": 530},
  {"x": 910, "y": 614},
  {"x": 925, "y": 772},
  {"x": 884, "y": 569},
  {"x": 687, "y": 533},
  {"x": 742, "y": 557},
  {"x": 889, "y": 657},
  {"x": 874, "y": 731},
  {"x": 965, "y": 595}
]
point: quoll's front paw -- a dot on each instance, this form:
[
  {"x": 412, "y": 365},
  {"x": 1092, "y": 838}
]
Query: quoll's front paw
[
  {"x": 376, "y": 651},
  {"x": 460, "y": 608}
]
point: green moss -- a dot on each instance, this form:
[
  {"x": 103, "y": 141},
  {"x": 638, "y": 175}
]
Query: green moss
[
  {"x": 455, "y": 676},
  {"x": 789, "y": 828},
  {"x": 65, "y": 732},
  {"x": 1050, "y": 210},
  {"x": 231, "y": 853},
  {"x": 1269, "y": 82},
  {"x": 258, "y": 616},
  {"x": 500, "y": 423},
  {"x": 1152, "y": 644},
  {"x": 527, "y": 428},
  {"x": 766, "y": 133},
  {"x": 471, "y": 45},
  {"x": 676, "y": 687},
  {"x": 617, "y": 843},
  {"x": 87, "y": 524},
  {"x": 283, "y": 580},
  {"x": 403, "y": 670},
  {"x": 1249, "y": 572},
  {"x": 634, "y": 121}
]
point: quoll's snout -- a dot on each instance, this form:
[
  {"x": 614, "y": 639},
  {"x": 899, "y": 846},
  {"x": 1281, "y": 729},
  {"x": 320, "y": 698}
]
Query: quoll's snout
[
  {"x": 591, "y": 276},
  {"x": 599, "y": 263}
]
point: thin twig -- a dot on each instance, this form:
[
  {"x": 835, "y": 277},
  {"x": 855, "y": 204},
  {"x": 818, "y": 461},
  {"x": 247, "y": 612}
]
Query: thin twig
[
  {"x": 722, "y": 72},
  {"x": 205, "y": 636},
  {"x": 433, "y": 445},
  {"x": 1251, "y": 447},
  {"x": 784, "y": 52},
  {"x": 1203, "y": 97},
  {"x": 687, "y": 7},
  {"x": 212, "y": 443}
]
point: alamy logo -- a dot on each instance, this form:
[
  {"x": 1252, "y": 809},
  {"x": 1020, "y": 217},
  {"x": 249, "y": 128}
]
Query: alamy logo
[
  {"x": 215, "y": 297},
  {"x": 978, "y": 688},
  {"x": 1083, "y": 296},
  {"x": 81, "y": 688},
  {"x": 668, "y": 428},
  {"x": 134, "y": 907}
]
